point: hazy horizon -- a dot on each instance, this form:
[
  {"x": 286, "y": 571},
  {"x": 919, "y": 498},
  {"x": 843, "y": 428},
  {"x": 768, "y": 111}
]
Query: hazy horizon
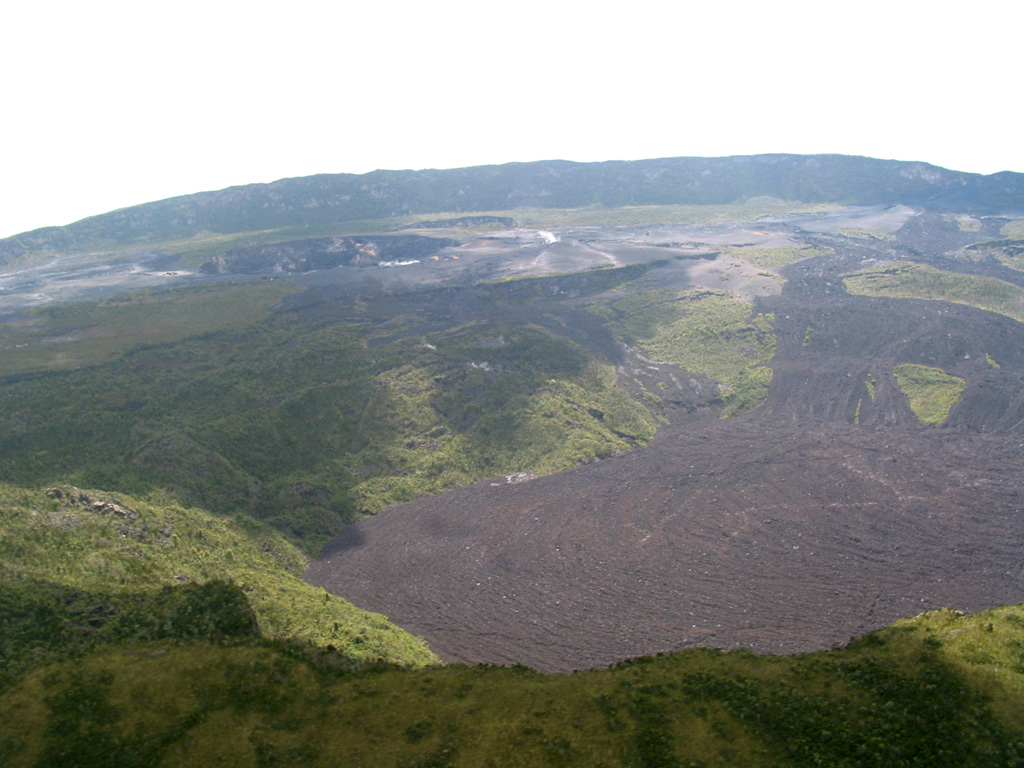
[{"x": 113, "y": 104}]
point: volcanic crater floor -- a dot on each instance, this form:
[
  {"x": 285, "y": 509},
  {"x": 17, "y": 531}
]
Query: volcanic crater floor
[{"x": 752, "y": 533}]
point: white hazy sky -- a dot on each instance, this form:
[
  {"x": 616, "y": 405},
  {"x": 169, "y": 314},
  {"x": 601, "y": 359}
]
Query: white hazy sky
[{"x": 107, "y": 104}]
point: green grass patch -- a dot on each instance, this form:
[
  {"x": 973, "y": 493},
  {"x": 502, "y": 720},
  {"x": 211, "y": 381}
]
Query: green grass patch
[
  {"x": 74, "y": 335},
  {"x": 77, "y": 559},
  {"x": 640, "y": 215},
  {"x": 1013, "y": 229},
  {"x": 865, "y": 234},
  {"x": 1009, "y": 252},
  {"x": 967, "y": 223},
  {"x": 904, "y": 280},
  {"x": 870, "y": 382},
  {"x": 941, "y": 689},
  {"x": 777, "y": 257},
  {"x": 713, "y": 335},
  {"x": 309, "y": 423},
  {"x": 931, "y": 391}
]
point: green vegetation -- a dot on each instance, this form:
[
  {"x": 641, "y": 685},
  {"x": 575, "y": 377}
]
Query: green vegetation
[
  {"x": 81, "y": 568},
  {"x": 931, "y": 391},
  {"x": 777, "y": 257},
  {"x": 68, "y": 336},
  {"x": 710, "y": 334},
  {"x": 939, "y": 689},
  {"x": 592, "y": 215},
  {"x": 1013, "y": 229},
  {"x": 304, "y": 420},
  {"x": 870, "y": 382},
  {"x": 865, "y": 234},
  {"x": 164, "y": 621},
  {"x": 643, "y": 215},
  {"x": 967, "y": 223},
  {"x": 44, "y": 621},
  {"x": 480, "y": 400},
  {"x": 904, "y": 280},
  {"x": 1009, "y": 252}
]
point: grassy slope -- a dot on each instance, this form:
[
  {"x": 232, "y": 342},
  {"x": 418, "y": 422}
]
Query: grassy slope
[
  {"x": 939, "y": 689},
  {"x": 302, "y": 422},
  {"x": 1013, "y": 229},
  {"x": 310, "y": 422},
  {"x": 92, "y": 551},
  {"x": 931, "y": 391},
  {"x": 69, "y": 336},
  {"x": 1009, "y": 252},
  {"x": 486, "y": 399},
  {"x": 708, "y": 334},
  {"x": 904, "y": 280},
  {"x": 777, "y": 257}
]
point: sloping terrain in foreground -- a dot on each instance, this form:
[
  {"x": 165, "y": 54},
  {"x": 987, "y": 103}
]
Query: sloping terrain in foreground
[
  {"x": 941, "y": 689},
  {"x": 84, "y": 569}
]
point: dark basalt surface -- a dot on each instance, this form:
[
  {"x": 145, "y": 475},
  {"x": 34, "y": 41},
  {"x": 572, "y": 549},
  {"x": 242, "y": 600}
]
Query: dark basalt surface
[
  {"x": 780, "y": 537},
  {"x": 828, "y": 512}
]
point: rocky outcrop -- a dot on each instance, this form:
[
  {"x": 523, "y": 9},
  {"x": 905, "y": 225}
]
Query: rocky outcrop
[{"x": 130, "y": 524}]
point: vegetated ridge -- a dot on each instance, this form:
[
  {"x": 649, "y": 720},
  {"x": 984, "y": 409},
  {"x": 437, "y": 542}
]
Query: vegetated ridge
[
  {"x": 938, "y": 689},
  {"x": 83, "y": 569}
]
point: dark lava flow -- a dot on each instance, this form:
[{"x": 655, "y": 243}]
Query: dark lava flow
[
  {"x": 732, "y": 534},
  {"x": 827, "y": 513}
]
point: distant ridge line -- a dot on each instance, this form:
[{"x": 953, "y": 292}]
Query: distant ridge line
[{"x": 324, "y": 199}]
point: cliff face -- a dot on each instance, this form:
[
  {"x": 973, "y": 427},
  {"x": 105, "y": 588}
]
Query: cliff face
[{"x": 331, "y": 198}]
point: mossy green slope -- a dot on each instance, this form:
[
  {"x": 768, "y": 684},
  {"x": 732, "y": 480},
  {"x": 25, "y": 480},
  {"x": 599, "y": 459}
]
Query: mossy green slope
[
  {"x": 74, "y": 561},
  {"x": 1009, "y": 252},
  {"x": 932, "y": 392},
  {"x": 940, "y": 689},
  {"x": 711, "y": 334},
  {"x": 906, "y": 280},
  {"x": 69, "y": 336},
  {"x": 43, "y": 621},
  {"x": 486, "y": 399}
]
